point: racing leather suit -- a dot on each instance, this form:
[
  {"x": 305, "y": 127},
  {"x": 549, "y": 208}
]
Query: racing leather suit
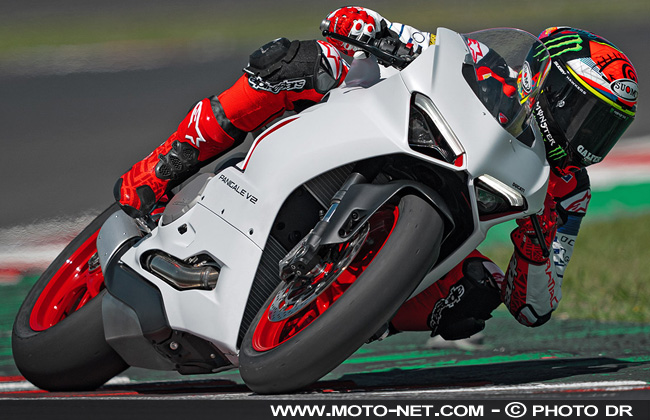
[
  {"x": 281, "y": 76},
  {"x": 532, "y": 286},
  {"x": 284, "y": 76},
  {"x": 458, "y": 304}
]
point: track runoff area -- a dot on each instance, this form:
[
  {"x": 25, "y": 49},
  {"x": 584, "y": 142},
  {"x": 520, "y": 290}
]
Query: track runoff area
[{"x": 404, "y": 376}]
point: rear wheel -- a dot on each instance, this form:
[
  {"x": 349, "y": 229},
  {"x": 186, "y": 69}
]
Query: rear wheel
[
  {"x": 306, "y": 330},
  {"x": 58, "y": 336}
]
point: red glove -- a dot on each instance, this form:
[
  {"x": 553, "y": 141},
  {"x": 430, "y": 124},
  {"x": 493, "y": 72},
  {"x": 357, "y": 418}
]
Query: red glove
[
  {"x": 525, "y": 238},
  {"x": 355, "y": 22}
]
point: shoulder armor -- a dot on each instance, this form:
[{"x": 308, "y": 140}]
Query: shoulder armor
[
  {"x": 295, "y": 65},
  {"x": 271, "y": 56}
]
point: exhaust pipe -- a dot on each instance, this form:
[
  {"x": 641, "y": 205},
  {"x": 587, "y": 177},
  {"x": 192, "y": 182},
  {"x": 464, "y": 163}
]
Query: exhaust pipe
[{"x": 183, "y": 276}]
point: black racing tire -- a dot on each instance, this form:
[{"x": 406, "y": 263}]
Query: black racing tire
[
  {"x": 409, "y": 251},
  {"x": 72, "y": 354}
]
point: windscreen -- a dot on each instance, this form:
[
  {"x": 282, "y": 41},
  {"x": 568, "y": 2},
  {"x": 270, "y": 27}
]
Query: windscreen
[{"x": 506, "y": 69}]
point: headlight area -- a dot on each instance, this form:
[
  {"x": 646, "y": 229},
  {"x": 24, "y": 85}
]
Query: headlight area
[
  {"x": 430, "y": 134},
  {"x": 496, "y": 199}
]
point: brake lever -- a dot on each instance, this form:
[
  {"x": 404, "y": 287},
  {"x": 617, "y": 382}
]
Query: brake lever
[{"x": 392, "y": 60}]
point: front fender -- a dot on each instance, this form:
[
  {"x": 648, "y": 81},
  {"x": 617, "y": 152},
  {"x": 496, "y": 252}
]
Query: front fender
[{"x": 362, "y": 200}]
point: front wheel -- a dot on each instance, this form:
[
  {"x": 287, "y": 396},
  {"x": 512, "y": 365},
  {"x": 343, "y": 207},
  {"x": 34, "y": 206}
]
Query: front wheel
[
  {"x": 58, "y": 337},
  {"x": 282, "y": 353}
]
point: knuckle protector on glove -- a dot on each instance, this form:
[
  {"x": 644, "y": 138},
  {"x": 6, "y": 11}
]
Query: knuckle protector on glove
[{"x": 525, "y": 239}]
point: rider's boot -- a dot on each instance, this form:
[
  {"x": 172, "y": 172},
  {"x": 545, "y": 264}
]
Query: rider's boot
[
  {"x": 457, "y": 305},
  {"x": 281, "y": 76},
  {"x": 198, "y": 140}
]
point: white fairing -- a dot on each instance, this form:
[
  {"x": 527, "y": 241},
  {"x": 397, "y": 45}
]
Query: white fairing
[
  {"x": 233, "y": 218},
  {"x": 488, "y": 151}
]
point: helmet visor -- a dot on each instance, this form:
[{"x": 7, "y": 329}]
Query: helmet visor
[{"x": 591, "y": 125}]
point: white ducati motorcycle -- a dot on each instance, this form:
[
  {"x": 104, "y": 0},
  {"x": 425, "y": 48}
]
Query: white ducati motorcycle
[{"x": 285, "y": 263}]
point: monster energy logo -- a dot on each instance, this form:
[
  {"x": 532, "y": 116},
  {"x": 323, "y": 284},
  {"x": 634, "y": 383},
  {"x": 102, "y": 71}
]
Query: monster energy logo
[
  {"x": 541, "y": 49},
  {"x": 564, "y": 44},
  {"x": 557, "y": 153}
]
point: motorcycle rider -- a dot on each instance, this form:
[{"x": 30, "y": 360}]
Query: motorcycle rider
[
  {"x": 283, "y": 76},
  {"x": 588, "y": 102}
]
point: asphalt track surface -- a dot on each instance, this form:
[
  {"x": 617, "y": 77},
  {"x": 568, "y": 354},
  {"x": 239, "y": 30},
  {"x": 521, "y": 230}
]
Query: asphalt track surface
[
  {"x": 563, "y": 359},
  {"x": 67, "y": 138}
]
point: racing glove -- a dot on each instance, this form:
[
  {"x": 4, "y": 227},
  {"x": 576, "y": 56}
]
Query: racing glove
[{"x": 357, "y": 23}]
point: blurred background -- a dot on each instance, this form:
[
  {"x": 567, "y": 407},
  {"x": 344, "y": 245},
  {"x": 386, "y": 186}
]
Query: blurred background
[{"x": 89, "y": 87}]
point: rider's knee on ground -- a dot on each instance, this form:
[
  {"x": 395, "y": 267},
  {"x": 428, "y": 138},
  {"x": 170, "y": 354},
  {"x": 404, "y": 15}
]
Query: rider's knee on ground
[{"x": 527, "y": 316}]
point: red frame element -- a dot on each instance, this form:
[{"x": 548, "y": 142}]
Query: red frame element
[
  {"x": 269, "y": 335},
  {"x": 69, "y": 289}
]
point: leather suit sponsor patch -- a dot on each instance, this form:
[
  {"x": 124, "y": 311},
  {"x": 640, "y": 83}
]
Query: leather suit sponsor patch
[{"x": 258, "y": 83}]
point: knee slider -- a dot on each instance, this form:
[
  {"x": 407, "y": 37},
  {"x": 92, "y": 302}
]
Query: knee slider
[
  {"x": 527, "y": 316},
  {"x": 485, "y": 296}
]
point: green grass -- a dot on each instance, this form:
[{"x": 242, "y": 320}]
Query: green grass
[
  {"x": 261, "y": 21},
  {"x": 608, "y": 278}
]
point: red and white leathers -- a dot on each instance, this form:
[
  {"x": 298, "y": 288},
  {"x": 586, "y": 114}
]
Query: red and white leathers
[
  {"x": 291, "y": 77},
  {"x": 199, "y": 138},
  {"x": 533, "y": 284},
  {"x": 362, "y": 24},
  {"x": 281, "y": 76},
  {"x": 457, "y": 305}
]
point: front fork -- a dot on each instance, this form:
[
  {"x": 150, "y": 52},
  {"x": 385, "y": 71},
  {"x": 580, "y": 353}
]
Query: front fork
[
  {"x": 351, "y": 207},
  {"x": 304, "y": 256}
]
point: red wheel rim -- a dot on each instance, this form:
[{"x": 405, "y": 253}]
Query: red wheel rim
[
  {"x": 268, "y": 334},
  {"x": 75, "y": 283}
]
